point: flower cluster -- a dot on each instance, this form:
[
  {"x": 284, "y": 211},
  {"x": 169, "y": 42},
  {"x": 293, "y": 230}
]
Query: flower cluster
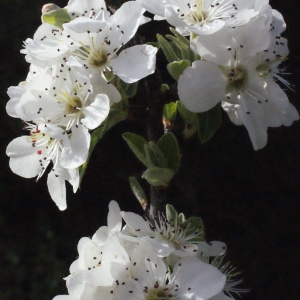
[
  {"x": 240, "y": 48},
  {"x": 71, "y": 86},
  {"x": 163, "y": 259}
]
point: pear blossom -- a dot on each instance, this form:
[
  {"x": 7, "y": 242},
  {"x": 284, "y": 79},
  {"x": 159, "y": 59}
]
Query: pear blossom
[
  {"x": 68, "y": 99},
  {"x": 112, "y": 267},
  {"x": 150, "y": 279},
  {"x": 31, "y": 155},
  {"x": 165, "y": 237},
  {"x": 96, "y": 41},
  {"x": 203, "y": 17},
  {"x": 233, "y": 71}
]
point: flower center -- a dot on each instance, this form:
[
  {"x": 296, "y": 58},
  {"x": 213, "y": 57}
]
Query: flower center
[
  {"x": 196, "y": 14},
  {"x": 98, "y": 58},
  {"x": 157, "y": 293},
  {"x": 73, "y": 103},
  {"x": 237, "y": 78}
]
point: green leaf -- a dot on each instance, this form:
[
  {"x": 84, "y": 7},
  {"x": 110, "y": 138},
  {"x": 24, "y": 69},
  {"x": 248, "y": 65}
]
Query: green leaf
[
  {"x": 164, "y": 87},
  {"x": 170, "y": 111},
  {"x": 129, "y": 89},
  {"x": 138, "y": 191},
  {"x": 158, "y": 176},
  {"x": 167, "y": 49},
  {"x": 136, "y": 144},
  {"x": 114, "y": 117},
  {"x": 153, "y": 44},
  {"x": 176, "y": 68},
  {"x": 181, "y": 218},
  {"x": 159, "y": 156},
  {"x": 57, "y": 17},
  {"x": 209, "y": 122},
  {"x": 188, "y": 116},
  {"x": 195, "y": 228},
  {"x": 169, "y": 147},
  {"x": 180, "y": 37},
  {"x": 151, "y": 159},
  {"x": 171, "y": 214}
]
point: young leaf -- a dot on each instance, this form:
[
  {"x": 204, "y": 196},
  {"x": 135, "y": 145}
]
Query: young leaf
[
  {"x": 158, "y": 176},
  {"x": 138, "y": 191},
  {"x": 129, "y": 89},
  {"x": 57, "y": 17},
  {"x": 151, "y": 159},
  {"x": 176, "y": 68},
  {"x": 167, "y": 49},
  {"x": 181, "y": 218},
  {"x": 190, "y": 118},
  {"x": 136, "y": 144},
  {"x": 171, "y": 214},
  {"x": 169, "y": 147},
  {"x": 160, "y": 158},
  {"x": 208, "y": 123},
  {"x": 170, "y": 111},
  {"x": 195, "y": 227},
  {"x": 164, "y": 87}
]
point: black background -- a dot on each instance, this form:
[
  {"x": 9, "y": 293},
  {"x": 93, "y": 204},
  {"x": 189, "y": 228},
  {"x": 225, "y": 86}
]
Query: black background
[{"x": 248, "y": 199}]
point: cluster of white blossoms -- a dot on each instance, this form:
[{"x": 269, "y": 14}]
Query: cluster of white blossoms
[
  {"x": 240, "y": 47},
  {"x": 164, "y": 259},
  {"x": 69, "y": 89}
]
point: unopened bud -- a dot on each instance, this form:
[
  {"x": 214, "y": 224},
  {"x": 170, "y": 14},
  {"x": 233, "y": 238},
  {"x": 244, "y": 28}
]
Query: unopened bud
[{"x": 48, "y": 7}]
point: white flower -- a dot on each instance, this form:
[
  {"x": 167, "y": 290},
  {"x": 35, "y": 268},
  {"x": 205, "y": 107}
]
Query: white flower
[
  {"x": 149, "y": 278},
  {"x": 203, "y": 17},
  {"x": 231, "y": 279},
  {"x": 104, "y": 258},
  {"x": 165, "y": 238},
  {"x": 231, "y": 73},
  {"x": 96, "y": 41},
  {"x": 37, "y": 78},
  {"x": 67, "y": 100},
  {"x": 31, "y": 155}
]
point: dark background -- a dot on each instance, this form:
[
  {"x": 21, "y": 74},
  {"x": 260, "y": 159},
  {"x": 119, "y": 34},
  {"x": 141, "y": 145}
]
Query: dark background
[{"x": 248, "y": 199}]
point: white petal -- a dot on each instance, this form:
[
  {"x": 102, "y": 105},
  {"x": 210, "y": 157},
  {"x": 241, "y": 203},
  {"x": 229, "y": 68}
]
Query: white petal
[
  {"x": 82, "y": 25},
  {"x": 136, "y": 222},
  {"x": 75, "y": 150},
  {"x": 15, "y": 93},
  {"x": 153, "y": 6},
  {"x": 52, "y": 130},
  {"x": 135, "y": 63},
  {"x": 214, "y": 48},
  {"x": 172, "y": 17},
  {"x": 114, "y": 219},
  {"x": 231, "y": 110},
  {"x": 204, "y": 280},
  {"x": 96, "y": 112},
  {"x": 24, "y": 158},
  {"x": 252, "y": 116},
  {"x": 80, "y": 7},
  {"x": 207, "y": 29},
  {"x": 121, "y": 22},
  {"x": 100, "y": 86},
  {"x": 57, "y": 187},
  {"x": 74, "y": 179},
  {"x": 201, "y": 86},
  {"x": 214, "y": 248},
  {"x": 279, "y": 110}
]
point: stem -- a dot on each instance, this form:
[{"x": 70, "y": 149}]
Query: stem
[
  {"x": 158, "y": 199},
  {"x": 155, "y": 130}
]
